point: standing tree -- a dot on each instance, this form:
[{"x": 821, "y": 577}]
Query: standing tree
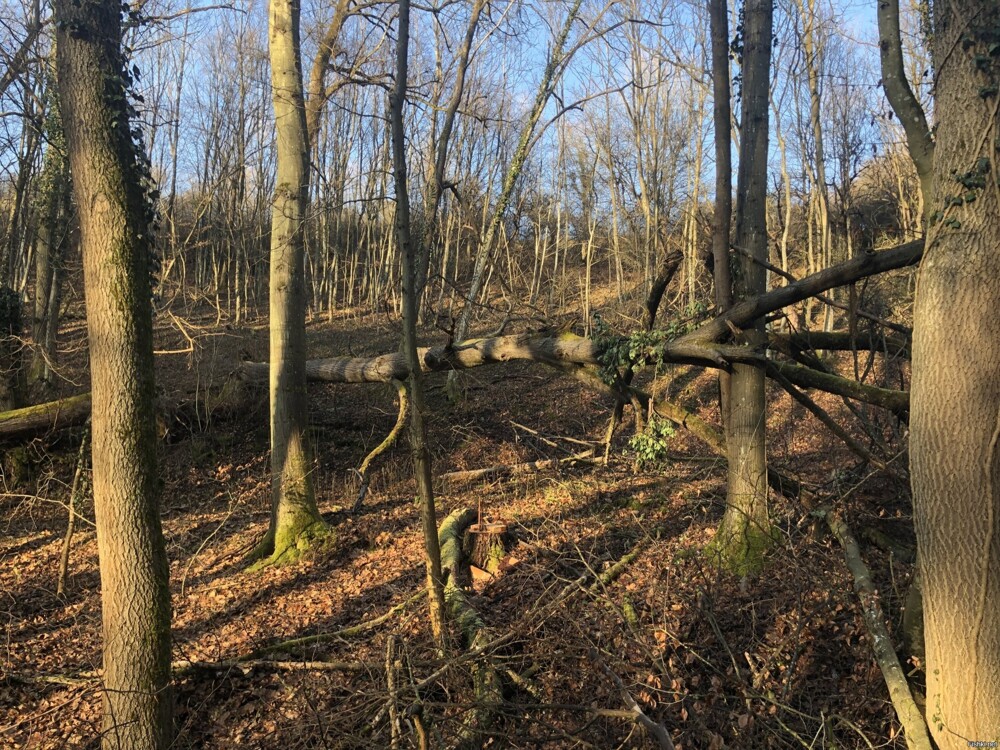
[
  {"x": 955, "y": 403},
  {"x": 722, "y": 220},
  {"x": 50, "y": 240},
  {"x": 110, "y": 177},
  {"x": 745, "y": 532},
  {"x": 295, "y": 519},
  {"x": 418, "y": 428}
]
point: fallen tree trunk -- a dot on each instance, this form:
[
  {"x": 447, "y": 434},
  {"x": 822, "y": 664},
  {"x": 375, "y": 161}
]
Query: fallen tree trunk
[
  {"x": 855, "y": 269},
  {"x": 229, "y": 399},
  {"x": 699, "y": 347},
  {"x": 914, "y": 726},
  {"x": 566, "y": 347},
  {"x": 569, "y": 350},
  {"x": 898, "y": 402},
  {"x": 32, "y": 421},
  {"x": 894, "y": 345},
  {"x": 526, "y": 467}
]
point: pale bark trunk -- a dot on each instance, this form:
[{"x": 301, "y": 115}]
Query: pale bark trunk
[
  {"x": 525, "y": 140},
  {"x": 114, "y": 234},
  {"x": 438, "y": 156},
  {"x": 955, "y": 420},
  {"x": 295, "y": 519},
  {"x": 919, "y": 140}
]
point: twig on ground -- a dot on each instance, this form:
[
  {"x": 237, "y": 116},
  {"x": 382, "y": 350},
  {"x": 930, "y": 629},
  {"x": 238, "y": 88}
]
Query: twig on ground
[
  {"x": 347, "y": 632},
  {"x": 71, "y": 520},
  {"x": 183, "y": 667},
  {"x": 390, "y": 681},
  {"x": 656, "y": 730}
]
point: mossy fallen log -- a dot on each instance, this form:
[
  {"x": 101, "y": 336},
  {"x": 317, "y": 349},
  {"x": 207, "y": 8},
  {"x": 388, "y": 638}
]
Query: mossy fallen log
[
  {"x": 231, "y": 399},
  {"x": 455, "y": 564},
  {"x": 32, "y": 421}
]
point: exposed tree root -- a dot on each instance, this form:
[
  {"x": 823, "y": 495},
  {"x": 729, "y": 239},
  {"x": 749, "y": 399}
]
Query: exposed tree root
[
  {"x": 899, "y": 690},
  {"x": 308, "y": 533},
  {"x": 404, "y": 410}
]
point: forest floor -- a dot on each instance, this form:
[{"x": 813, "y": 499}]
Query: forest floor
[{"x": 777, "y": 660}]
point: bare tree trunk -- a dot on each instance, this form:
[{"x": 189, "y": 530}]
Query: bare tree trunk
[
  {"x": 955, "y": 421},
  {"x": 11, "y": 350},
  {"x": 745, "y": 531},
  {"x": 115, "y": 217},
  {"x": 722, "y": 220},
  {"x": 812, "y": 46},
  {"x": 418, "y": 428},
  {"x": 295, "y": 519},
  {"x": 17, "y": 241}
]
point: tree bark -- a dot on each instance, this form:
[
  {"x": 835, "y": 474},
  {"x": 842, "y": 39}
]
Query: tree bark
[
  {"x": 955, "y": 422},
  {"x": 11, "y": 350},
  {"x": 114, "y": 229},
  {"x": 295, "y": 519}
]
